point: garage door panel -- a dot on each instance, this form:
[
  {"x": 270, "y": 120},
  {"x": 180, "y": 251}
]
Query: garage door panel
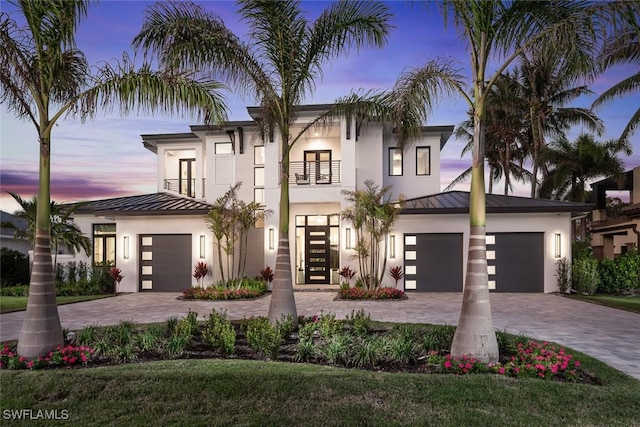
[
  {"x": 519, "y": 262},
  {"x": 437, "y": 262},
  {"x": 165, "y": 262}
]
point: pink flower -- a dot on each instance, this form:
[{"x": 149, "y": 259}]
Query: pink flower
[
  {"x": 502, "y": 371},
  {"x": 447, "y": 364},
  {"x": 576, "y": 363}
]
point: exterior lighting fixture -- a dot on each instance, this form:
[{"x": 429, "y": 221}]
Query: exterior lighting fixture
[
  {"x": 558, "y": 245},
  {"x": 272, "y": 237},
  {"x": 392, "y": 245},
  {"x": 347, "y": 238},
  {"x": 203, "y": 245},
  {"x": 125, "y": 247}
]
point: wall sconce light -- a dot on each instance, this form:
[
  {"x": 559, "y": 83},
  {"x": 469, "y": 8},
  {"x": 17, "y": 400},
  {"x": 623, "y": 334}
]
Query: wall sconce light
[
  {"x": 558, "y": 245},
  {"x": 272, "y": 237},
  {"x": 125, "y": 247},
  {"x": 347, "y": 238},
  {"x": 392, "y": 245},
  {"x": 203, "y": 245}
]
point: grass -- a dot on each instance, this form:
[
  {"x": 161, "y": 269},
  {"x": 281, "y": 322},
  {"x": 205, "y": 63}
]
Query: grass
[
  {"x": 243, "y": 392},
  {"x": 631, "y": 303},
  {"x": 9, "y": 304}
]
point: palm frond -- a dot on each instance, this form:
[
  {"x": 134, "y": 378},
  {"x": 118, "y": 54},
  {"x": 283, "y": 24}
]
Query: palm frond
[{"x": 464, "y": 176}]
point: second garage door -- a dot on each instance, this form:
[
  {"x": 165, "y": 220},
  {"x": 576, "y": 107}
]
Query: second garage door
[
  {"x": 165, "y": 262},
  {"x": 515, "y": 262},
  {"x": 433, "y": 262}
]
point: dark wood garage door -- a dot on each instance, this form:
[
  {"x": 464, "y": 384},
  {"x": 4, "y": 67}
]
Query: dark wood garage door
[
  {"x": 433, "y": 262},
  {"x": 515, "y": 262},
  {"x": 165, "y": 262}
]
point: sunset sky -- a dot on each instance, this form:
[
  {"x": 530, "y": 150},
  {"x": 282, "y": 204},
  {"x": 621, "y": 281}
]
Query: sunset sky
[{"x": 105, "y": 158}]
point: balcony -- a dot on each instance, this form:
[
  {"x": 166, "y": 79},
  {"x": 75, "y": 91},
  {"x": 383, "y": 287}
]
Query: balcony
[
  {"x": 186, "y": 187},
  {"x": 321, "y": 172}
]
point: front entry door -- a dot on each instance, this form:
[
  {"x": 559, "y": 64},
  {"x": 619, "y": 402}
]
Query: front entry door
[{"x": 317, "y": 248}]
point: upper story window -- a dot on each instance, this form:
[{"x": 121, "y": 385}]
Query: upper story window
[
  {"x": 223, "y": 148},
  {"x": 423, "y": 160},
  {"x": 395, "y": 161},
  {"x": 258, "y": 177},
  {"x": 258, "y": 155}
]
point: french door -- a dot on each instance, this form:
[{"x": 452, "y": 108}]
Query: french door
[{"x": 187, "y": 181}]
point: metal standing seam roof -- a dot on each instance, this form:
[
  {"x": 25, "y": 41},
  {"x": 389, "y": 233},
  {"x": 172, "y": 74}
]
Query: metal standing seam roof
[
  {"x": 147, "y": 204},
  {"x": 458, "y": 202}
]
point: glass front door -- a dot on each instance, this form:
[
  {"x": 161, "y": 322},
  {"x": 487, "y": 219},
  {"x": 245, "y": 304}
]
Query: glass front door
[
  {"x": 317, "y": 254},
  {"x": 187, "y": 184}
]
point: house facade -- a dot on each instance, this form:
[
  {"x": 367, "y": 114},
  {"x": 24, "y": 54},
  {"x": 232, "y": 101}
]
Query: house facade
[
  {"x": 156, "y": 239},
  {"x": 614, "y": 233}
]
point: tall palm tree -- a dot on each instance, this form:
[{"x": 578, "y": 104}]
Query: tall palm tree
[
  {"x": 622, "y": 47},
  {"x": 572, "y": 164},
  {"x": 278, "y": 68},
  {"x": 501, "y": 31},
  {"x": 548, "y": 83},
  {"x": 43, "y": 76},
  {"x": 506, "y": 136},
  {"x": 63, "y": 230}
]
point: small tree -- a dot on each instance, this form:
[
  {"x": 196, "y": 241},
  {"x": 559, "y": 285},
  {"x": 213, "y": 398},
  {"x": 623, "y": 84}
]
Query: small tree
[{"x": 372, "y": 214}]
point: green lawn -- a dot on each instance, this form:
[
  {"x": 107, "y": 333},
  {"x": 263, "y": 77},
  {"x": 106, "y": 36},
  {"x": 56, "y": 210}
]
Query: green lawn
[
  {"x": 242, "y": 392},
  {"x": 625, "y": 303},
  {"x": 9, "y": 304}
]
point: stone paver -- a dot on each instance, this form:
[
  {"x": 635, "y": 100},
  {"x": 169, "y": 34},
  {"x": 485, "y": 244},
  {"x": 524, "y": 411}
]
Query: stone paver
[{"x": 608, "y": 334}]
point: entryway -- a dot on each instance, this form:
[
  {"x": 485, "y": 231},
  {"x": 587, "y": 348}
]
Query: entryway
[{"x": 317, "y": 254}]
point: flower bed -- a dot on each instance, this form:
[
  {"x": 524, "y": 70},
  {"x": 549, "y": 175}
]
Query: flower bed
[
  {"x": 378, "y": 294},
  {"x": 62, "y": 356},
  {"x": 221, "y": 294}
]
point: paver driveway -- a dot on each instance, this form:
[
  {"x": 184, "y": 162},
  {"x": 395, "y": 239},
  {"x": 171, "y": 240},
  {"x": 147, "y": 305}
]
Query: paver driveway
[{"x": 608, "y": 334}]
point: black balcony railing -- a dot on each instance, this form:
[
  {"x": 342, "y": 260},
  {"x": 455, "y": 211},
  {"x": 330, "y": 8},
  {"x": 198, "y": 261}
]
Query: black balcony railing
[
  {"x": 312, "y": 173},
  {"x": 186, "y": 187}
]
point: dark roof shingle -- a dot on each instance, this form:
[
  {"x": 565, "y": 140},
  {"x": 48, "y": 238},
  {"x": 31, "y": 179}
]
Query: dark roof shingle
[
  {"x": 458, "y": 202},
  {"x": 147, "y": 204}
]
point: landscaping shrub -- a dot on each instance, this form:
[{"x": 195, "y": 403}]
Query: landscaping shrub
[
  {"x": 285, "y": 326},
  {"x": 187, "y": 326},
  {"x": 628, "y": 271},
  {"x": 219, "y": 333},
  {"x": 176, "y": 346},
  {"x": 359, "y": 321},
  {"x": 336, "y": 349},
  {"x": 584, "y": 277},
  {"x": 608, "y": 277},
  {"x": 228, "y": 290},
  {"x": 360, "y": 292},
  {"x": 400, "y": 346},
  {"x": 438, "y": 337},
  {"x": 263, "y": 337},
  {"x": 77, "y": 278},
  {"x": 15, "y": 291},
  {"x": 14, "y": 266},
  {"x": 366, "y": 353},
  {"x": 327, "y": 325},
  {"x": 62, "y": 356},
  {"x": 563, "y": 278}
]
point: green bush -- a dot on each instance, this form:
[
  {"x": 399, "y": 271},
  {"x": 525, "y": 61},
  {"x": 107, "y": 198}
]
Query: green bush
[
  {"x": 328, "y": 325},
  {"x": 285, "y": 326},
  {"x": 14, "y": 266},
  {"x": 15, "y": 291},
  {"x": 629, "y": 271},
  {"x": 438, "y": 338},
  {"x": 608, "y": 276},
  {"x": 336, "y": 349},
  {"x": 366, "y": 353},
  {"x": 359, "y": 321},
  {"x": 563, "y": 278},
  {"x": 585, "y": 276},
  {"x": 400, "y": 346},
  {"x": 219, "y": 333},
  {"x": 187, "y": 326},
  {"x": 263, "y": 337}
]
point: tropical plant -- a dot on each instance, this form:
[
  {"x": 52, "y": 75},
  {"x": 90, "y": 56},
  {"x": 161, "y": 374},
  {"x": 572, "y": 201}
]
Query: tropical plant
[
  {"x": 117, "y": 277},
  {"x": 347, "y": 275},
  {"x": 267, "y": 274},
  {"x": 572, "y": 164},
  {"x": 63, "y": 231},
  {"x": 44, "y": 76},
  {"x": 200, "y": 271},
  {"x": 622, "y": 47},
  {"x": 230, "y": 220},
  {"x": 372, "y": 214},
  {"x": 502, "y": 30},
  {"x": 563, "y": 275},
  {"x": 396, "y": 274},
  {"x": 278, "y": 67}
]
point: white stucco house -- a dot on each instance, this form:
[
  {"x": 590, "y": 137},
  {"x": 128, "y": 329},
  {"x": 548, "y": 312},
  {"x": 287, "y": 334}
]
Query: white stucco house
[{"x": 156, "y": 239}]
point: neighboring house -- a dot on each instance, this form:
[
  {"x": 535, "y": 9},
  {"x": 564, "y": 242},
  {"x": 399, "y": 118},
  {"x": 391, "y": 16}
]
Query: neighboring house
[
  {"x": 614, "y": 233},
  {"x": 7, "y": 235},
  {"x": 156, "y": 239}
]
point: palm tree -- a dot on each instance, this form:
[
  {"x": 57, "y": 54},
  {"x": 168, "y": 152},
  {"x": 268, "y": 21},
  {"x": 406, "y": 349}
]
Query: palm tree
[
  {"x": 547, "y": 83},
  {"x": 571, "y": 165},
  {"x": 63, "y": 230},
  {"x": 44, "y": 76},
  {"x": 502, "y": 30},
  {"x": 506, "y": 136},
  {"x": 622, "y": 47},
  {"x": 278, "y": 68}
]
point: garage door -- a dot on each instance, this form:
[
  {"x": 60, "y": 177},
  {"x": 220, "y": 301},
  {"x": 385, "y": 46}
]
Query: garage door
[
  {"x": 165, "y": 262},
  {"x": 433, "y": 262},
  {"x": 515, "y": 262}
]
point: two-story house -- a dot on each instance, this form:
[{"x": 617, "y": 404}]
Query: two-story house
[{"x": 156, "y": 239}]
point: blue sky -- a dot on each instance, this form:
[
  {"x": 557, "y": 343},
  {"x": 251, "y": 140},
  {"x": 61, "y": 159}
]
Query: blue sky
[{"x": 104, "y": 157}]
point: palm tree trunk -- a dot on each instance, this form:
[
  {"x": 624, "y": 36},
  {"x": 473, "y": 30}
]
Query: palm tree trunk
[
  {"x": 283, "y": 302},
  {"x": 475, "y": 334},
  {"x": 41, "y": 329}
]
